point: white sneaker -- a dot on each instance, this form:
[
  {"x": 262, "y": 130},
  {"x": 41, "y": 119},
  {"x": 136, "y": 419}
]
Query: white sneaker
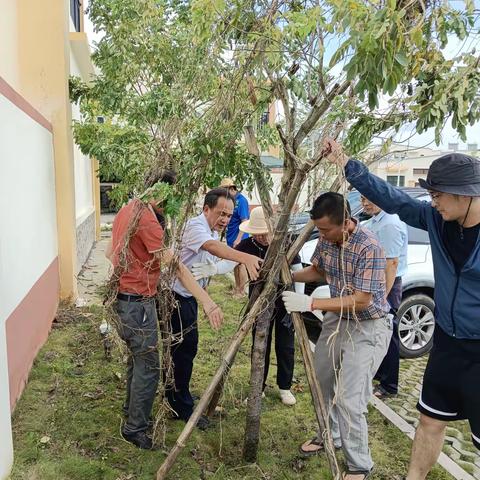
[{"x": 287, "y": 397}]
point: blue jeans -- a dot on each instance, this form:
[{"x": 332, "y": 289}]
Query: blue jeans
[{"x": 138, "y": 329}]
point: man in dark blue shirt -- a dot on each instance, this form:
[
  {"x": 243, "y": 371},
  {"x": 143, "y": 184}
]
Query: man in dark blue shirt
[
  {"x": 241, "y": 212},
  {"x": 451, "y": 390}
]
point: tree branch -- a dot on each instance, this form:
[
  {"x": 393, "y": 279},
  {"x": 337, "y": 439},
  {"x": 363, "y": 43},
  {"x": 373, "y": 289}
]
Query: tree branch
[{"x": 317, "y": 111}]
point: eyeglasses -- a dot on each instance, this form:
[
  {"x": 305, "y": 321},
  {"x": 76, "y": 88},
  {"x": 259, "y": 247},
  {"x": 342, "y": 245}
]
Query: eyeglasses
[{"x": 435, "y": 195}]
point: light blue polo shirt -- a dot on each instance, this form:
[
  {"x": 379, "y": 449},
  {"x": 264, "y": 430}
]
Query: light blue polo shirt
[
  {"x": 393, "y": 236},
  {"x": 197, "y": 232}
]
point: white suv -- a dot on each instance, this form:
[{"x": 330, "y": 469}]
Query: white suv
[{"x": 416, "y": 312}]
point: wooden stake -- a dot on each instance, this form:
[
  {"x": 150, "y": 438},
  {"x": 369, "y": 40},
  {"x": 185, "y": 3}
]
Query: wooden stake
[{"x": 227, "y": 360}]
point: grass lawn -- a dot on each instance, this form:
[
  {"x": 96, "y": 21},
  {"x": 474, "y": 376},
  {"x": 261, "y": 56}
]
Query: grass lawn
[{"x": 67, "y": 423}]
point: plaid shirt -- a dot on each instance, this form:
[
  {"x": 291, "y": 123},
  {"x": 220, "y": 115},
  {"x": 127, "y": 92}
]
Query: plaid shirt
[{"x": 360, "y": 268}]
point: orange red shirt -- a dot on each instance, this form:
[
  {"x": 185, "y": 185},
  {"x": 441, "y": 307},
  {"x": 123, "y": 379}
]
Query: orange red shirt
[{"x": 142, "y": 270}]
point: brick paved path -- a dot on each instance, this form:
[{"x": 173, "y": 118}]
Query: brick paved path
[{"x": 458, "y": 444}]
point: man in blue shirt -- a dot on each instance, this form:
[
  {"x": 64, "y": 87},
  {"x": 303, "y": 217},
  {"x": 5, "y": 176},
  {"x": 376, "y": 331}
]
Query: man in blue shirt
[
  {"x": 451, "y": 390},
  {"x": 393, "y": 236},
  {"x": 241, "y": 212}
]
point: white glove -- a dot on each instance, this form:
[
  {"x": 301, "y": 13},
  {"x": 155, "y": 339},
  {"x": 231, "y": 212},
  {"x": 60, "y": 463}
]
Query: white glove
[
  {"x": 297, "y": 302},
  {"x": 204, "y": 270}
]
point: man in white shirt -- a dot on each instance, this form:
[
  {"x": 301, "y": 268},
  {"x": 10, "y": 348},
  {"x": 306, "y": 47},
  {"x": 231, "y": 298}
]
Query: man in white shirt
[
  {"x": 393, "y": 236},
  {"x": 200, "y": 244}
]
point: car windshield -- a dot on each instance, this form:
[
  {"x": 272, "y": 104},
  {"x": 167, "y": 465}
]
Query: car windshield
[{"x": 354, "y": 201}]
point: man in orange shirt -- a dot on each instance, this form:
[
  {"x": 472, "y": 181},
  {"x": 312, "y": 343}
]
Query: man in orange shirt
[{"x": 139, "y": 267}]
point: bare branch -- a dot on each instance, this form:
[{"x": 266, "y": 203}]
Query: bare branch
[{"x": 317, "y": 111}]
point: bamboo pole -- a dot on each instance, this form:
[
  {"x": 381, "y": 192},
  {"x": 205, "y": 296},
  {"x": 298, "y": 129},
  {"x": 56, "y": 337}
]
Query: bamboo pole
[
  {"x": 222, "y": 370},
  {"x": 317, "y": 397}
]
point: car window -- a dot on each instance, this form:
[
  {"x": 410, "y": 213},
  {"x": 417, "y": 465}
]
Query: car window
[
  {"x": 354, "y": 201},
  {"x": 417, "y": 236}
]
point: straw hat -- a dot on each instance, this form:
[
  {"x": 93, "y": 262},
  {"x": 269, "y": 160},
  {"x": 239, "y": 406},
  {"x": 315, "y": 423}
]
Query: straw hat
[
  {"x": 227, "y": 183},
  {"x": 256, "y": 225}
]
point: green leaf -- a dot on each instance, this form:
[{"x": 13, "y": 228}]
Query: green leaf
[{"x": 401, "y": 58}]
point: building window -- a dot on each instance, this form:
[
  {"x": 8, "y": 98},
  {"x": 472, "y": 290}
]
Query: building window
[
  {"x": 75, "y": 13},
  {"x": 396, "y": 180},
  {"x": 420, "y": 171}
]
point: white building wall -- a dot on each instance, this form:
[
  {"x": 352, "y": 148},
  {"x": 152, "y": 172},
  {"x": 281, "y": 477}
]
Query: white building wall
[
  {"x": 28, "y": 237},
  {"x": 28, "y": 240},
  {"x": 302, "y": 204},
  {"x": 84, "y": 203},
  {"x": 84, "y": 200}
]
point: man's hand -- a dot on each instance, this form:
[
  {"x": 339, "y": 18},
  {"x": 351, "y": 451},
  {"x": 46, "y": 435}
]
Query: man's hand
[
  {"x": 297, "y": 302},
  {"x": 253, "y": 265},
  {"x": 214, "y": 314},
  {"x": 204, "y": 270},
  {"x": 334, "y": 152}
]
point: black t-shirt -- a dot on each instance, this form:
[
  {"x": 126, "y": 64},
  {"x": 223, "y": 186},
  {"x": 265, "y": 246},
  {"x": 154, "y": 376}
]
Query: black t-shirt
[
  {"x": 249, "y": 245},
  {"x": 459, "y": 249}
]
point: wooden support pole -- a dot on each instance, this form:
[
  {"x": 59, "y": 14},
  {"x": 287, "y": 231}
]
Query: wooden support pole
[{"x": 227, "y": 360}]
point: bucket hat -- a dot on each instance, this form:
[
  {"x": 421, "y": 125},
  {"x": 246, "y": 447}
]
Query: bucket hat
[
  {"x": 256, "y": 224},
  {"x": 454, "y": 173},
  {"x": 227, "y": 183}
]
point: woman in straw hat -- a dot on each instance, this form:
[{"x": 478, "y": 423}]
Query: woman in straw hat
[{"x": 257, "y": 244}]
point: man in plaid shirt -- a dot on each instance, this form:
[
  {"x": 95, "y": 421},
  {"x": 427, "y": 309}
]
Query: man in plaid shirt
[{"x": 356, "y": 328}]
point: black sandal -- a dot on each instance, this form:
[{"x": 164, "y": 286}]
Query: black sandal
[
  {"x": 366, "y": 473},
  {"x": 380, "y": 393}
]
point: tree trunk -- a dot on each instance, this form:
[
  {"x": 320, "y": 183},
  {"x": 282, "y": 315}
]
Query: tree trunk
[
  {"x": 256, "y": 378},
  {"x": 265, "y": 298},
  {"x": 257, "y": 369}
]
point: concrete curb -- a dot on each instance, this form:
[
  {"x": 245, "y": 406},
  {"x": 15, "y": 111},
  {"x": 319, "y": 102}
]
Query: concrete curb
[{"x": 446, "y": 462}]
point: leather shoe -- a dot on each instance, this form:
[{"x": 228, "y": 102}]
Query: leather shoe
[{"x": 139, "y": 439}]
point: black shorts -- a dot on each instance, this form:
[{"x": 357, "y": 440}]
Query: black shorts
[{"x": 451, "y": 383}]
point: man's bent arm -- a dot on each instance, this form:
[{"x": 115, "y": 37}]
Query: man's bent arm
[
  {"x": 352, "y": 303},
  {"x": 390, "y": 273},
  {"x": 308, "y": 274},
  {"x": 186, "y": 277}
]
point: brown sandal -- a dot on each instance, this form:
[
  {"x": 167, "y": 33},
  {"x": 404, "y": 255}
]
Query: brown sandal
[{"x": 310, "y": 453}]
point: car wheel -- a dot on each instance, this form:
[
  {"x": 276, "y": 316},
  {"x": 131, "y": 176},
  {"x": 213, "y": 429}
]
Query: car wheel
[{"x": 416, "y": 324}]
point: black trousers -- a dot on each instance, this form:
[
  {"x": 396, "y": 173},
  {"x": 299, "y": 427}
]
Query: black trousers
[
  {"x": 184, "y": 327},
  {"x": 389, "y": 369},
  {"x": 284, "y": 350}
]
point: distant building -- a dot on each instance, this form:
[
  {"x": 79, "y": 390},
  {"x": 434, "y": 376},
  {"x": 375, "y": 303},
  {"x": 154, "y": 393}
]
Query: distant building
[{"x": 403, "y": 167}]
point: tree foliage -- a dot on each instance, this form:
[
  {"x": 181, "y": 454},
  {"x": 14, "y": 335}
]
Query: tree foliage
[
  {"x": 180, "y": 80},
  {"x": 164, "y": 101}
]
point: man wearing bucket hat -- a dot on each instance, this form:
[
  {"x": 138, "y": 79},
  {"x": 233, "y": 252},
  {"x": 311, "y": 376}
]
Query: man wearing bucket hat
[
  {"x": 257, "y": 244},
  {"x": 234, "y": 235},
  {"x": 451, "y": 389}
]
